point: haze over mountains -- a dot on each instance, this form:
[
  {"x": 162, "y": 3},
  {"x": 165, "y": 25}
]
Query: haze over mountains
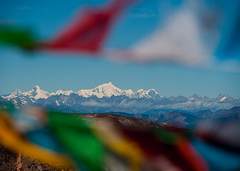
[
  {"x": 148, "y": 104},
  {"x": 110, "y": 98}
]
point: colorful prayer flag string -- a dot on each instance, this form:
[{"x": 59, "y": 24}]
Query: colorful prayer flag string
[
  {"x": 86, "y": 34},
  {"x": 88, "y": 141},
  {"x": 12, "y": 140}
]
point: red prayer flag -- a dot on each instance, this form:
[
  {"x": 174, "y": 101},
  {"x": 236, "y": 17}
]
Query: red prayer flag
[{"x": 88, "y": 32}]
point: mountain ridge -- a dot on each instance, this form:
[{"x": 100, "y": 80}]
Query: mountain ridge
[
  {"x": 146, "y": 104},
  {"x": 113, "y": 99},
  {"x": 103, "y": 90}
]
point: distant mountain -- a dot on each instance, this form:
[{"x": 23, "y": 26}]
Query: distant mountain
[
  {"x": 187, "y": 118},
  {"x": 109, "y": 98}
]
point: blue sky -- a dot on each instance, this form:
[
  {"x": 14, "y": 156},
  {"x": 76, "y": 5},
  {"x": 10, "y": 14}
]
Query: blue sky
[{"x": 54, "y": 71}]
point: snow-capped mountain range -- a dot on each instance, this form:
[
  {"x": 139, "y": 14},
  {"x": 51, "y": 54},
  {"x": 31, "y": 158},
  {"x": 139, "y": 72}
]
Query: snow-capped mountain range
[
  {"x": 109, "y": 98},
  {"x": 103, "y": 90}
]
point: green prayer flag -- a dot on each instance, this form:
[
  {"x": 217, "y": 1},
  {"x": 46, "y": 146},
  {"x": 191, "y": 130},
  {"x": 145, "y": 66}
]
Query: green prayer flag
[
  {"x": 78, "y": 139},
  {"x": 18, "y": 37}
]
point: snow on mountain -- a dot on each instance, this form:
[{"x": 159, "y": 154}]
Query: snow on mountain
[
  {"x": 146, "y": 104},
  {"x": 35, "y": 93},
  {"x": 62, "y": 92},
  {"x": 13, "y": 95},
  {"x": 112, "y": 98},
  {"x": 103, "y": 90},
  {"x": 222, "y": 99},
  {"x": 147, "y": 93},
  {"x": 109, "y": 90}
]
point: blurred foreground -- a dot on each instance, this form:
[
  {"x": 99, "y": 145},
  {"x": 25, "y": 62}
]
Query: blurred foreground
[{"x": 55, "y": 140}]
